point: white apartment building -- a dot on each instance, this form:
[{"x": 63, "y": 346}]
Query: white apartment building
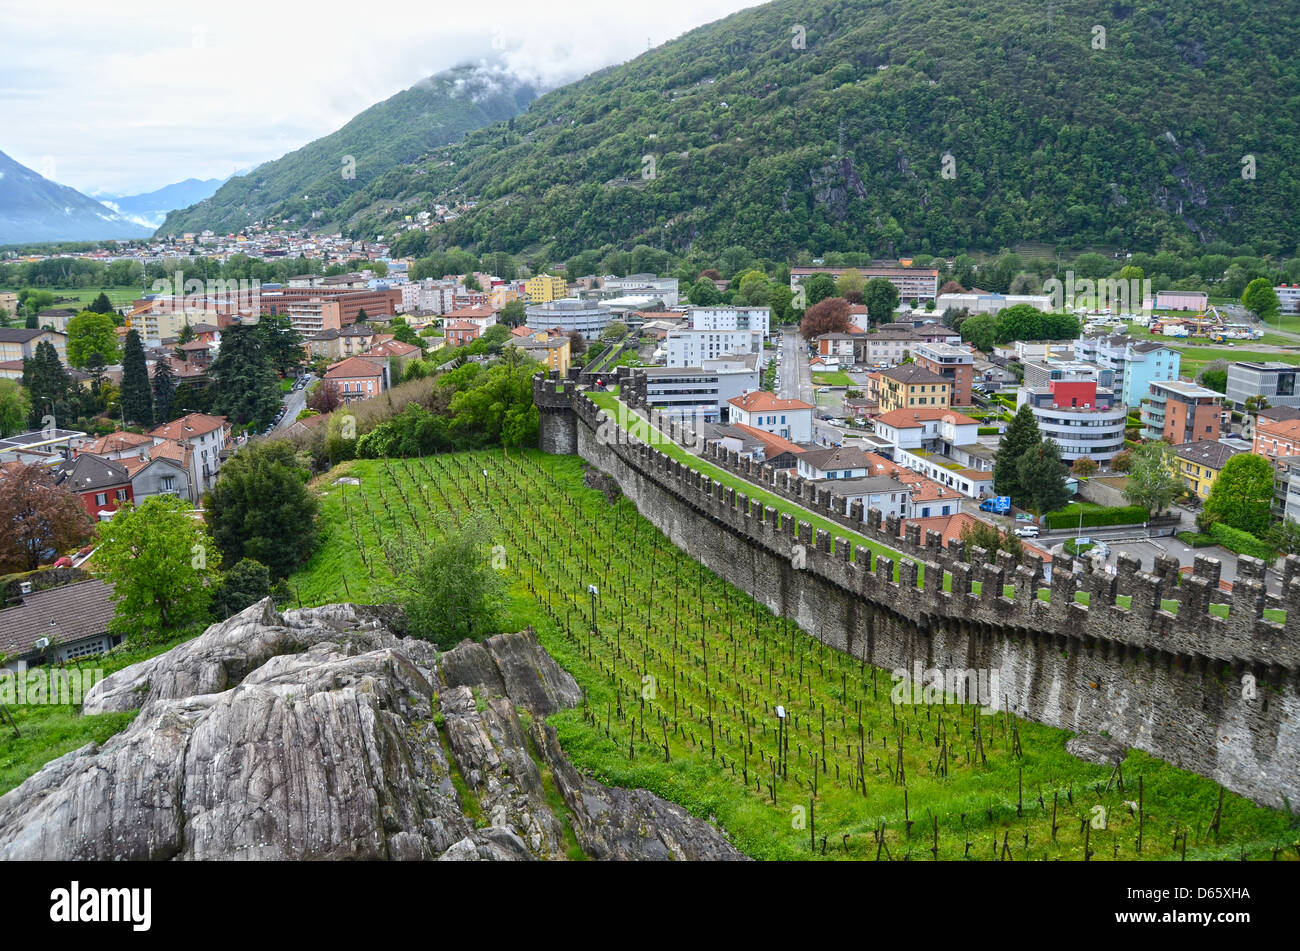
[
  {"x": 789, "y": 419},
  {"x": 754, "y": 319},
  {"x": 690, "y": 347}
]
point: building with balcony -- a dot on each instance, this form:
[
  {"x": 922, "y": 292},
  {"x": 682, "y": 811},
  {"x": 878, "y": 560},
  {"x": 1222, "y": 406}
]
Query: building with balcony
[
  {"x": 1084, "y": 419},
  {"x": 546, "y": 287},
  {"x": 1181, "y": 412},
  {"x": 1135, "y": 364},
  {"x": 690, "y": 347},
  {"x": 727, "y": 317},
  {"x": 954, "y": 364}
]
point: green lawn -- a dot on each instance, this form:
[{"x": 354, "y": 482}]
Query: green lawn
[
  {"x": 832, "y": 378},
  {"x": 118, "y": 296},
  {"x": 682, "y": 673}
]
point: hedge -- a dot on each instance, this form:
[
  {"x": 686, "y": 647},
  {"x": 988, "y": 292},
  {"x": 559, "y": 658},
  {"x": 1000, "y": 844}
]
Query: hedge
[
  {"x": 1243, "y": 543},
  {"x": 1196, "y": 539},
  {"x": 987, "y": 430},
  {"x": 1068, "y": 517}
]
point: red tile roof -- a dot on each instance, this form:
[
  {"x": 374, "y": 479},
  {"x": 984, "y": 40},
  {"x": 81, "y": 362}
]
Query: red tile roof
[
  {"x": 913, "y": 418},
  {"x": 352, "y": 368},
  {"x": 761, "y": 401},
  {"x": 189, "y": 426}
]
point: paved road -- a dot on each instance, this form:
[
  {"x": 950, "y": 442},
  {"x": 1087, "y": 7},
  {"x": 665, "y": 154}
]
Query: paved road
[
  {"x": 294, "y": 401},
  {"x": 796, "y": 378}
]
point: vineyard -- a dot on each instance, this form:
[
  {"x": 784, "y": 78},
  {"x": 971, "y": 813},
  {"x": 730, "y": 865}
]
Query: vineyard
[{"x": 684, "y": 676}]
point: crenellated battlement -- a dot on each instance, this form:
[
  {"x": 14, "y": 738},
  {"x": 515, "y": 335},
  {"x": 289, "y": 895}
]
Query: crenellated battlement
[{"x": 1244, "y": 637}]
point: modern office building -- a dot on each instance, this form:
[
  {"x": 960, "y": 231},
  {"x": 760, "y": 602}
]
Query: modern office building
[
  {"x": 1274, "y": 381},
  {"x": 589, "y": 318},
  {"x": 698, "y": 393},
  {"x": 1084, "y": 419}
]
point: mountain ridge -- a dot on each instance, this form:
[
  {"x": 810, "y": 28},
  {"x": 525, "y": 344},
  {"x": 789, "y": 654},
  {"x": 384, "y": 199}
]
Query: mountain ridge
[
  {"x": 323, "y": 174},
  {"x": 34, "y": 209},
  {"x": 1098, "y": 125}
]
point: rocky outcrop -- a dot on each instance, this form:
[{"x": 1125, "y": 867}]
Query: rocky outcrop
[{"x": 312, "y": 734}]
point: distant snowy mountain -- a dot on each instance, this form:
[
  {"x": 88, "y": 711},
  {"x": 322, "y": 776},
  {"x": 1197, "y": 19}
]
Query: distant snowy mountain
[
  {"x": 33, "y": 208},
  {"x": 150, "y": 208}
]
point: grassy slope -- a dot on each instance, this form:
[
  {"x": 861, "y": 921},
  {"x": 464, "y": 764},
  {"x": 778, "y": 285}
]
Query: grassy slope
[{"x": 48, "y": 731}]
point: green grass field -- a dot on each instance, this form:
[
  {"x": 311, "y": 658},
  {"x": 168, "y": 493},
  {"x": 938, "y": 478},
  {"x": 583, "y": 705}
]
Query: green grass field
[
  {"x": 70, "y": 297},
  {"x": 832, "y": 378},
  {"x": 683, "y": 672}
]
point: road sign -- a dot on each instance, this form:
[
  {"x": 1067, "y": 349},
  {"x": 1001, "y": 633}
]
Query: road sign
[{"x": 1002, "y": 503}]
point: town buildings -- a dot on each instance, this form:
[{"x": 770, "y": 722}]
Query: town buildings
[
  {"x": 954, "y": 364},
  {"x": 913, "y": 283},
  {"x": 690, "y": 347},
  {"x": 1199, "y": 464},
  {"x": 1136, "y": 364},
  {"x": 357, "y": 378},
  {"x": 589, "y": 318}
]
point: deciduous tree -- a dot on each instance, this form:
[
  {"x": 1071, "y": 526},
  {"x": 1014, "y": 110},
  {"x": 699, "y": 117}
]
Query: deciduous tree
[{"x": 42, "y": 519}]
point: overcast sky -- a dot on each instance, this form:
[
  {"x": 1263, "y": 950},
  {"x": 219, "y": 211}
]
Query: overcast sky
[{"x": 128, "y": 96}]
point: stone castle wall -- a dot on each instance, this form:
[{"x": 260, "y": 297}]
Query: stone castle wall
[{"x": 1218, "y": 696}]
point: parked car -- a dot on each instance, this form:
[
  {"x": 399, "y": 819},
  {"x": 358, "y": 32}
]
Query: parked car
[{"x": 1027, "y": 531}]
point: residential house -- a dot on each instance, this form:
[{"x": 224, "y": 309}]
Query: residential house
[
  {"x": 790, "y": 419},
  {"x": 18, "y": 343},
  {"x": 837, "y": 345},
  {"x": 779, "y": 453},
  {"x": 208, "y": 439},
  {"x": 57, "y": 624},
  {"x": 552, "y": 351},
  {"x": 843, "y": 462},
  {"x": 357, "y": 378},
  {"x": 103, "y": 485},
  {"x": 1199, "y": 464},
  {"x": 909, "y": 386},
  {"x": 460, "y": 332},
  {"x": 941, "y": 444},
  {"x": 889, "y": 345}
]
